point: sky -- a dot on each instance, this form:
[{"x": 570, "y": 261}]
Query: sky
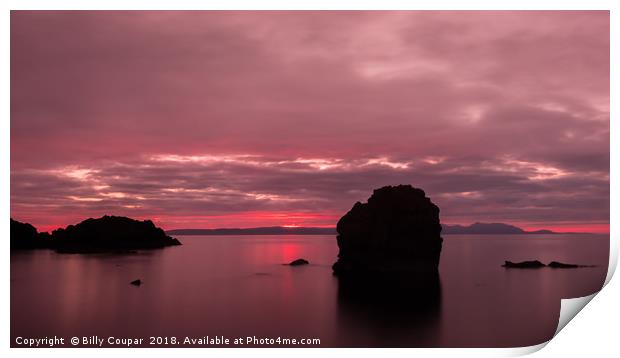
[{"x": 241, "y": 119}]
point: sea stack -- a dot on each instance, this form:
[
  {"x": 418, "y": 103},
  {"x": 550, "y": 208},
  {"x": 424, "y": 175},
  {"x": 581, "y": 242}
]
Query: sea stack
[{"x": 396, "y": 232}]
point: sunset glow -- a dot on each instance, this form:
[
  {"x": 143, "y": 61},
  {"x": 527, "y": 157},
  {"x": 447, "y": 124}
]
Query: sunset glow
[{"x": 246, "y": 119}]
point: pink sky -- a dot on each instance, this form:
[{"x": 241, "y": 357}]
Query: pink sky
[{"x": 240, "y": 119}]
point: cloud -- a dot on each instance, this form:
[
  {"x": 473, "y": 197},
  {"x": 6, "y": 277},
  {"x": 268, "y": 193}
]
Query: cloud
[
  {"x": 208, "y": 118},
  {"x": 170, "y": 188}
]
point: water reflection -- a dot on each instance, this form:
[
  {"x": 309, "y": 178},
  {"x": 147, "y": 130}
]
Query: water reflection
[
  {"x": 237, "y": 286},
  {"x": 389, "y": 311}
]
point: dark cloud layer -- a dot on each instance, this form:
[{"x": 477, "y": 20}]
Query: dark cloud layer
[{"x": 205, "y": 119}]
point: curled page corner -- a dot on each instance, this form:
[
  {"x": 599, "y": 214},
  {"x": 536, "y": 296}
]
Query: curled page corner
[
  {"x": 613, "y": 259},
  {"x": 523, "y": 351},
  {"x": 569, "y": 309},
  {"x": 571, "y": 306}
]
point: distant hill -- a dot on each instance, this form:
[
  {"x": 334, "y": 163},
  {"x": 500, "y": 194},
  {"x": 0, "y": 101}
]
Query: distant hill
[
  {"x": 271, "y": 230},
  {"x": 542, "y": 232},
  {"x": 489, "y": 229},
  {"x": 473, "y": 229}
]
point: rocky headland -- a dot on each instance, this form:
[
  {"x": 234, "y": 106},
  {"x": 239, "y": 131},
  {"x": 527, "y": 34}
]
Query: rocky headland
[
  {"x": 105, "y": 234},
  {"x": 26, "y": 237}
]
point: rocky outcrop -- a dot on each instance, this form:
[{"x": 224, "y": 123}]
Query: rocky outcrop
[
  {"x": 523, "y": 264},
  {"x": 537, "y": 264},
  {"x": 556, "y": 264},
  {"x": 111, "y": 233},
  {"x": 298, "y": 262},
  {"x": 396, "y": 232},
  {"x": 25, "y": 236}
]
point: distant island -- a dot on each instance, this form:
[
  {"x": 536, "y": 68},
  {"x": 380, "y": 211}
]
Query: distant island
[
  {"x": 489, "y": 229},
  {"x": 270, "y": 230},
  {"x": 473, "y": 229}
]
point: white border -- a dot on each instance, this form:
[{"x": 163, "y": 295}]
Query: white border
[{"x": 594, "y": 330}]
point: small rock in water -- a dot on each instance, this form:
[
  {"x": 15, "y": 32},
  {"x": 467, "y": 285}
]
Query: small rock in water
[
  {"x": 523, "y": 264},
  {"x": 137, "y": 282},
  {"x": 298, "y": 262},
  {"x": 556, "y": 264}
]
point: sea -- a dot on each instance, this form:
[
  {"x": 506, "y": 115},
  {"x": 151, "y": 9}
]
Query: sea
[{"x": 236, "y": 291}]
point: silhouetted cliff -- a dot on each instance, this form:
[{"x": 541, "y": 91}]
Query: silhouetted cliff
[
  {"x": 397, "y": 231},
  {"x": 25, "y": 236}
]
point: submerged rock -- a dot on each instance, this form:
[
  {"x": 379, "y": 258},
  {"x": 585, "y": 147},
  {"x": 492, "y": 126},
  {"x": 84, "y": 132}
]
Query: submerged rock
[
  {"x": 396, "y": 231},
  {"x": 110, "y": 234},
  {"x": 298, "y": 262},
  {"x": 556, "y": 264},
  {"x": 523, "y": 264},
  {"x": 137, "y": 282}
]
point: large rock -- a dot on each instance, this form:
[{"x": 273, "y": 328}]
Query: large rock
[
  {"x": 111, "y": 233},
  {"x": 397, "y": 231}
]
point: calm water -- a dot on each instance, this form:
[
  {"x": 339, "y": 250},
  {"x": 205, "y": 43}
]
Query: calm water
[{"x": 237, "y": 287}]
